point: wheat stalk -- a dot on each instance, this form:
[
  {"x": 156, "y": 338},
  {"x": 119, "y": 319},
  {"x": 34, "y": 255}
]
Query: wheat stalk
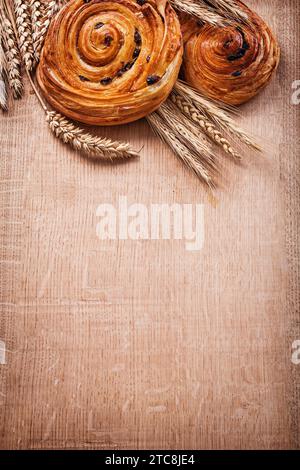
[
  {"x": 12, "y": 56},
  {"x": 3, "y": 76},
  {"x": 94, "y": 146},
  {"x": 215, "y": 113},
  {"x": 24, "y": 28},
  {"x": 44, "y": 23},
  {"x": 162, "y": 130},
  {"x": 189, "y": 157}
]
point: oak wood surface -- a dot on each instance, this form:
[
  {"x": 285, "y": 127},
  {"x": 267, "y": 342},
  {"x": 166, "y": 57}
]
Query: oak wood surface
[{"x": 141, "y": 344}]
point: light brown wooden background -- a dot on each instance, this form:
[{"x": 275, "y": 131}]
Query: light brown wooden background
[{"x": 125, "y": 344}]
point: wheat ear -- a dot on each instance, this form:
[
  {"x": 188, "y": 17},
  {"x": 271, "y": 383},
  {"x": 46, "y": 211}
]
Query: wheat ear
[
  {"x": 94, "y": 146},
  {"x": 188, "y": 109},
  {"x": 229, "y": 8},
  {"x": 12, "y": 56},
  {"x": 215, "y": 114},
  {"x": 37, "y": 10},
  {"x": 3, "y": 76},
  {"x": 24, "y": 27},
  {"x": 199, "y": 10},
  {"x": 189, "y": 134},
  {"x": 189, "y": 157},
  {"x": 44, "y": 23}
]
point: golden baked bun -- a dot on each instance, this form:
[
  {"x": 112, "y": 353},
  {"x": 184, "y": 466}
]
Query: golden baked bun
[
  {"x": 110, "y": 62},
  {"x": 230, "y": 63}
]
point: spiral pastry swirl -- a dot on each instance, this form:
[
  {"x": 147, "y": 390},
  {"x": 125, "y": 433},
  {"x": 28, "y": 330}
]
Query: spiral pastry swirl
[
  {"x": 230, "y": 64},
  {"x": 110, "y": 62}
]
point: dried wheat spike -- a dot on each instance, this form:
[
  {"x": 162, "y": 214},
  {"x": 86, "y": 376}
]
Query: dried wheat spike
[
  {"x": 189, "y": 110},
  {"x": 92, "y": 145},
  {"x": 44, "y": 23},
  {"x": 189, "y": 134},
  {"x": 3, "y": 77},
  {"x": 37, "y": 9},
  {"x": 12, "y": 56},
  {"x": 199, "y": 10},
  {"x": 24, "y": 27},
  {"x": 230, "y": 8},
  {"x": 216, "y": 114}
]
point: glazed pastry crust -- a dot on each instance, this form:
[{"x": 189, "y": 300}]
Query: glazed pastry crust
[
  {"x": 230, "y": 64},
  {"x": 110, "y": 62}
]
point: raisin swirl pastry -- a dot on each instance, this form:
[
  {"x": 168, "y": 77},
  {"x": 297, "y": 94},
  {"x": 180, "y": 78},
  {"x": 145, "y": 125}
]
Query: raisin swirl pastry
[
  {"x": 110, "y": 62},
  {"x": 231, "y": 63}
]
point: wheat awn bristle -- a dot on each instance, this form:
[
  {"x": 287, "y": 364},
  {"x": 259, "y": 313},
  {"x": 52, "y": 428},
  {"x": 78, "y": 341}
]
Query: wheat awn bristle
[{"x": 189, "y": 158}]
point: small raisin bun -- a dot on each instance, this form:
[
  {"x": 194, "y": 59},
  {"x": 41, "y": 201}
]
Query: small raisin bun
[
  {"x": 230, "y": 63},
  {"x": 108, "y": 62}
]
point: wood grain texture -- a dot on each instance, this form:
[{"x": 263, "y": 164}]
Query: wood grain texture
[{"x": 141, "y": 344}]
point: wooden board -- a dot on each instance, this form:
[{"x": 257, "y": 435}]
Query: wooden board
[{"x": 141, "y": 344}]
